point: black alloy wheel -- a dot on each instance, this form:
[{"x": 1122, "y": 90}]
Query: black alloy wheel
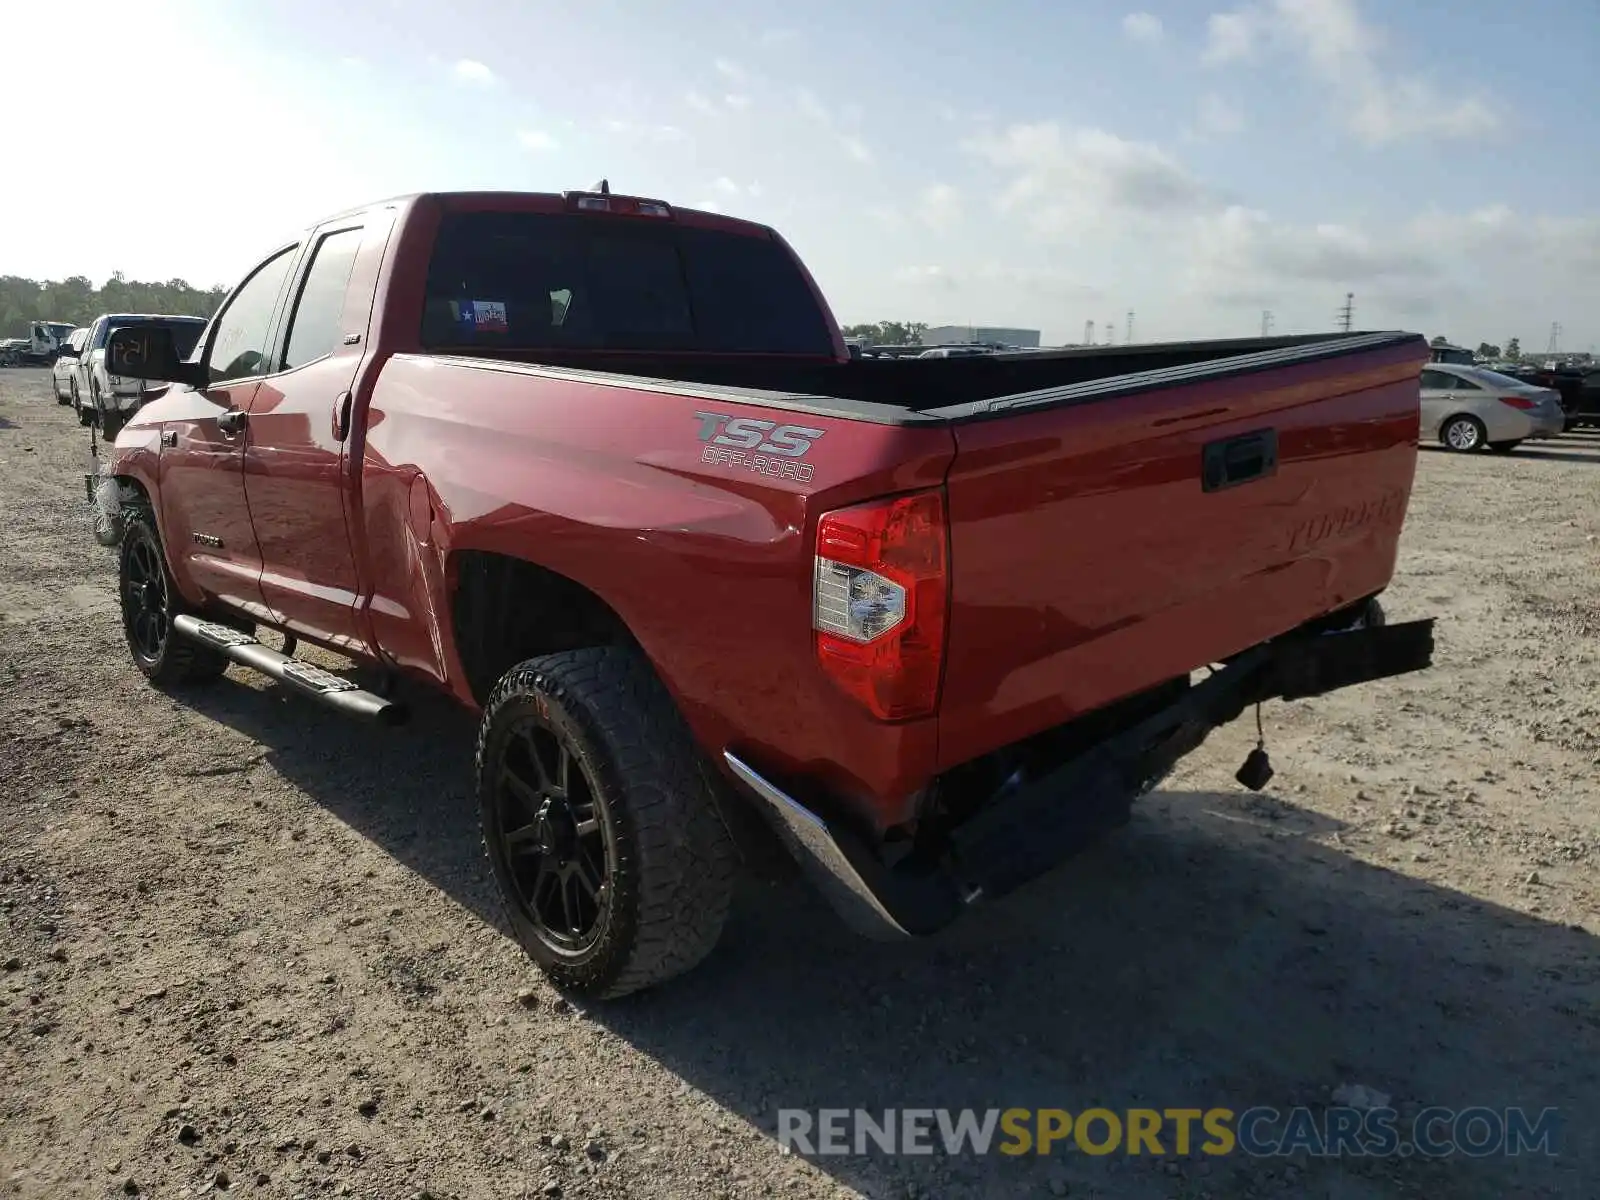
[
  {"x": 146, "y": 604},
  {"x": 558, "y": 851}
]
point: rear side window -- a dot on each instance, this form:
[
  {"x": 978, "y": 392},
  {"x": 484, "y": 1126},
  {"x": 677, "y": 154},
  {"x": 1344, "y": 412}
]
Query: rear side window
[
  {"x": 533, "y": 281},
  {"x": 314, "y": 329}
]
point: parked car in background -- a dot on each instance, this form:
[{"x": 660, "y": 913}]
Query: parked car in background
[
  {"x": 44, "y": 342},
  {"x": 64, "y": 370},
  {"x": 1578, "y": 386},
  {"x": 109, "y": 400},
  {"x": 1470, "y": 408}
]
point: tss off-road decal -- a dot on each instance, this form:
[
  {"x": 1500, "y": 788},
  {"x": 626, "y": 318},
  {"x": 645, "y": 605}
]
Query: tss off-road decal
[{"x": 757, "y": 445}]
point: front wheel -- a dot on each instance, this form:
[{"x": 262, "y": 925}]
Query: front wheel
[
  {"x": 1464, "y": 434},
  {"x": 149, "y": 602},
  {"x": 55, "y": 386},
  {"x": 599, "y": 823},
  {"x": 85, "y": 415},
  {"x": 1504, "y": 447}
]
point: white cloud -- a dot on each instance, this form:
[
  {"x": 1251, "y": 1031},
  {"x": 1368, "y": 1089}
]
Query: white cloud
[
  {"x": 537, "y": 140},
  {"x": 812, "y": 106},
  {"x": 927, "y": 276},
  {"x": 1142, "y": 27},
  {"x": 700, "y": 102},
  {"x": 645, "y": 132},
  {"x": 725, "y": 185},
  {"x": 735, "y": 100},
  {"x": 777, "y": 37},
  {"x": 1373, "y": 97},
  {"x": 1071, "y": 182},
  {"x": 1231, "y": 36},
  {"x": 471, "y": 71},
  {"x": 856, "y": 148},
  {"x": 939, "y": 207},
  {"x": 731, "y": 71},
  {"x": 1218, "y": 117}
]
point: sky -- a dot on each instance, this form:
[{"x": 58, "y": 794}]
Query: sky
[{"x": 1009, "y": 163}]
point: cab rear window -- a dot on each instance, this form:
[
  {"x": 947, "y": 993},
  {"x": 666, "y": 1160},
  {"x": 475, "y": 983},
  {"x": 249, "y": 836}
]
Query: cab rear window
[{"x": 532, "y": 281}]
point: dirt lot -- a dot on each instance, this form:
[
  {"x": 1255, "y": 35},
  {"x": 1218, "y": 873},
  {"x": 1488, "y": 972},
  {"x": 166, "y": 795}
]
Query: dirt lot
[{"x": 250, "y": 947}]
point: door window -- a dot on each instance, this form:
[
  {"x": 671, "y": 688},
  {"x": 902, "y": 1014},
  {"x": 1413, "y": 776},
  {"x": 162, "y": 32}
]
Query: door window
[
  {"x": 239, "y": 345},
  {"x": 315, "y": 330},
  {"x": 1437, "y": 381}
]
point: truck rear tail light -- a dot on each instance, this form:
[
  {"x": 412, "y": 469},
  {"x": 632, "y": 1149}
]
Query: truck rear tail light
[
  {"x": 879, "y": 602},
  {"x": 1522, "y": 402}
]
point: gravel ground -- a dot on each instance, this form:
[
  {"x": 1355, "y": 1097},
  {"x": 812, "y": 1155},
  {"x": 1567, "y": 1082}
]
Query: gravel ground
[{"x": 249, "y": 947}]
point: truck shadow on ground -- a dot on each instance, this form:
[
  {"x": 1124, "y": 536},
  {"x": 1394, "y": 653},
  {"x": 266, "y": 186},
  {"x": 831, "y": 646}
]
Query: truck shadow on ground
[
  {"x": 1211, "y": 954},
  {"x": 1574, "y": 455}
]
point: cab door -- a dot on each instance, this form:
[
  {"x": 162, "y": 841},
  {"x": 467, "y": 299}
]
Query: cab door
[
  {"x": 298, "y": 477},
  {"x": 205, "y": 521}
]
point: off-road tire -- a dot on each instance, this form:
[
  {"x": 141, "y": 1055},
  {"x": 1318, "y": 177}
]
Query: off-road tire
[
  {"x": 670, "y": 862},
  {"x": 177, "y": 660}
]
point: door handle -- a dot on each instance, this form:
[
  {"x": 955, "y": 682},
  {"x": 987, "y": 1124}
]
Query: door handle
[
  {"x": 1233, "y": 461},
  {"x": 232, "y": 421},
  {"x": 341, "y": 416}
]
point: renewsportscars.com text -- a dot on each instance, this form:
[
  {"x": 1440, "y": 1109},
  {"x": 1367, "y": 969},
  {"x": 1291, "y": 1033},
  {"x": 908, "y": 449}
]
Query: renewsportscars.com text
[{"x": 1476, "y": 1132}]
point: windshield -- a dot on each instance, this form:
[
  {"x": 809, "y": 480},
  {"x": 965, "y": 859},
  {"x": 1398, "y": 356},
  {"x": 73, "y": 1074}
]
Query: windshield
[
  {"x": 60, "y": 332},
  {"x": 547, "y": 281}
]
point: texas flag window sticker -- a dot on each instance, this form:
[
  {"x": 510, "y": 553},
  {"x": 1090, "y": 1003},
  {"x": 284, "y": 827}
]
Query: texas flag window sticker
[{"x": 480, "y": 316}]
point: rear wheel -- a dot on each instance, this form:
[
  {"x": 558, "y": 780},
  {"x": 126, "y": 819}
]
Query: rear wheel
[
  {"x": 1504, "y": 447},
  {"x": 149, "y": 602},
  {"x": 1464, "y": 434},
  {"x": 599, "y": 823}
]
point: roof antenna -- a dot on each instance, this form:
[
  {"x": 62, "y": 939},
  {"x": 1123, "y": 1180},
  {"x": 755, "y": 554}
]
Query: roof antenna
[{"x": 603, "y": 187}]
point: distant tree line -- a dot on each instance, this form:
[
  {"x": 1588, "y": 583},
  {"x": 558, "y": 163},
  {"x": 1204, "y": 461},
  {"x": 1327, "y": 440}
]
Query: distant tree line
[
  {"x": 1486, "y": 349},
  {"x": 76, "y": 299},
  {"x": 889, "y": 333}
]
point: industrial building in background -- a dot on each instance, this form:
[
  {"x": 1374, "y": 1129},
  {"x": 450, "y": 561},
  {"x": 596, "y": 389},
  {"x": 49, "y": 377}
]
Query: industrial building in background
[{"x": 980, "y": 335}]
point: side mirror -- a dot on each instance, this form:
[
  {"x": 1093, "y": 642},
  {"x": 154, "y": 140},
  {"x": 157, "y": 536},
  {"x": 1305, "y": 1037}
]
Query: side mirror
[
  {"x": 148, "y": 352},
  {"x": 66, "y": 351}
]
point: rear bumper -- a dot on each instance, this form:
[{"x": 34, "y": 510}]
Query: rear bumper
[
  {"x": 1550, "y": 425},
  {"x": 1061, "y": 813}
]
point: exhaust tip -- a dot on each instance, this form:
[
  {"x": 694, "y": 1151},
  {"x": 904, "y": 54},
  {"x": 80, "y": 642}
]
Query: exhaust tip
[{"x": 392, "y": 716}]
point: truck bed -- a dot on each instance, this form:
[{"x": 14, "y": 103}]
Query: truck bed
[
  {"x": 954, "y": 390},
  {"x": 1091, "y": 557}
]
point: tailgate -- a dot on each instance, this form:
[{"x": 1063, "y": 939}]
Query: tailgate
[{"x": 1090, "y": 559}]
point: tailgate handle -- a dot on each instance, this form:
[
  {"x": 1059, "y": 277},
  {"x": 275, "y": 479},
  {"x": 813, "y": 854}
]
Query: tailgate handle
[{"x": 1237, "y": 460}]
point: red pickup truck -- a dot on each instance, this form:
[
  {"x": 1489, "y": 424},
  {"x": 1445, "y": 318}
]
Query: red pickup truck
[{"x": 603, "y": 469}]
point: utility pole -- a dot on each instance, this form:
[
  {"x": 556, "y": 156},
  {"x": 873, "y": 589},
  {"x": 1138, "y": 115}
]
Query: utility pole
[
  {"x": 1266, "y": 321},
  {"x": 1555, "y": 336},
  {"x": 1348, "y": 312},
  {"x": 1088, "y": 333},
  {"x": 1111, "y": 333},
  {"x": 1127, "y": 333}
]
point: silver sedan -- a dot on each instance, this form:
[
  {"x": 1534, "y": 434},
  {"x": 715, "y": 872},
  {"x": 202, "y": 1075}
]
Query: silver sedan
[{"x": 1468, "y": 408}]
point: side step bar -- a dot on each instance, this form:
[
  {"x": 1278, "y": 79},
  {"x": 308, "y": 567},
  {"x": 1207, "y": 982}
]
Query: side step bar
[{"x": 303, "y": 677}]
